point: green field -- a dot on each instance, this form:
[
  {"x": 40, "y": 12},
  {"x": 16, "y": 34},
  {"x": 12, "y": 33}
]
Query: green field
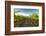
[{"x": 26, "y": 21}]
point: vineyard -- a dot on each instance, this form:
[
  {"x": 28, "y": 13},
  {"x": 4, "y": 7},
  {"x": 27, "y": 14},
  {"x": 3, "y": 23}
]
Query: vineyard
[{"x": 26, "y": 21}]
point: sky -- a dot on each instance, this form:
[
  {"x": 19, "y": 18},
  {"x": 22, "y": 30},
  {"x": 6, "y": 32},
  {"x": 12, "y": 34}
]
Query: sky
[{"x": 25, "y": 12}]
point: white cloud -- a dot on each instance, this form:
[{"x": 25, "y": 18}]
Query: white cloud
[{"x": 22, "y": 14}]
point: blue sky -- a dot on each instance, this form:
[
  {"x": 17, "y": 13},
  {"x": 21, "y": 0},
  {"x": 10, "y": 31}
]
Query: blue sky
[{"x": 23, "y": 11}]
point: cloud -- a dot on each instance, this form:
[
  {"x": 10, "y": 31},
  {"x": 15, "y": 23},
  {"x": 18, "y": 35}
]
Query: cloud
[{"x": 23, "y": 14}]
